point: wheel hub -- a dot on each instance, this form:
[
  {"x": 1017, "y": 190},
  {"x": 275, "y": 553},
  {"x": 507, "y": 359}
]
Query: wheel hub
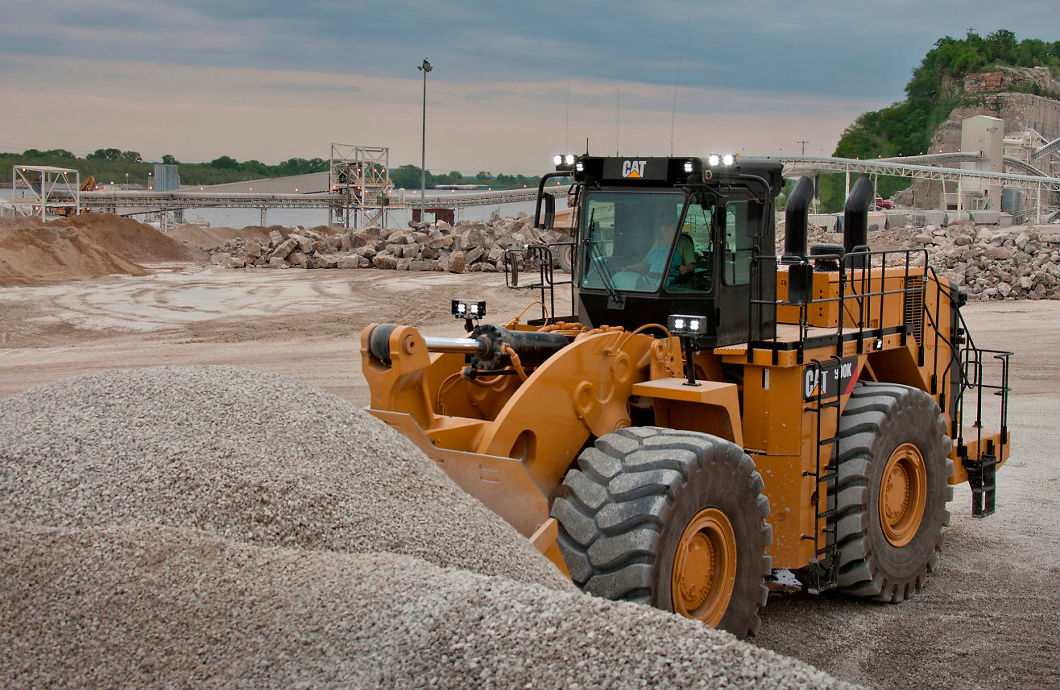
[
  {"x": 704, "y": 567},
  {"x": 903, "y": 494}
]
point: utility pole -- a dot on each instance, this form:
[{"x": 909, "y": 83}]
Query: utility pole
[
  {"x": 424, "y": 67},
  {"x": 803, "y": 142}
]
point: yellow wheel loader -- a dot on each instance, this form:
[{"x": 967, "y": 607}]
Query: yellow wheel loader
[{"x": 713, "y": 416}]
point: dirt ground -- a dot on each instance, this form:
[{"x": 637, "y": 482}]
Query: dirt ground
[{"x": 988, "y": 619}]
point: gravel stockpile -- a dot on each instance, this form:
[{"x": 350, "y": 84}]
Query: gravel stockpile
[
  {"x": 245, "y": 454},
  {"x": 149, "y": 607}
]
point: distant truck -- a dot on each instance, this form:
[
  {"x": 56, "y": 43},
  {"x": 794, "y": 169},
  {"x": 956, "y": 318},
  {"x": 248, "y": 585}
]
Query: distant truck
[{"x": 883, "y": 204}]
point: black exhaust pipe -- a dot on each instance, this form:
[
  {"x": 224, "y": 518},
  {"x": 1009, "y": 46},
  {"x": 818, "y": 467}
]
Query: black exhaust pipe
[
  {"x": 795, "y": 218},
  {"x": 856, "y": 215}
]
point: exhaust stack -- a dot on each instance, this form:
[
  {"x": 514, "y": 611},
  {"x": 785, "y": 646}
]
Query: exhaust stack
[
  {"x": 856, "y": 215},
  {"x": 795, "y": 218}
]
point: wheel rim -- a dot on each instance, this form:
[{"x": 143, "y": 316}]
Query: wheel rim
[
  {"x": 704, "y": 568},
  {"x": 903, "y": 494}
]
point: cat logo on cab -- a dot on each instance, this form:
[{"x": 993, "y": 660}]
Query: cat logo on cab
[{"x": 633, "y": 168}]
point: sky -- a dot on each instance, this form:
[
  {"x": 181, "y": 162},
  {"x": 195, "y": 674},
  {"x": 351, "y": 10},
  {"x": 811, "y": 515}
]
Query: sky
[{"x": 513, "y": 82}]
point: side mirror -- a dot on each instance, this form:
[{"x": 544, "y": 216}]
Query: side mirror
[
  {"x": 550, "y": 212},
  {"x": 800, "y": 283}
]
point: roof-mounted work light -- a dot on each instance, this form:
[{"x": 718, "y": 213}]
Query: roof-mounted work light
[
  {"x": 469, "y": 310},
  {"x": 726, "y": 159},
  {"x": 564, "y": 161},
  {"x": 687, "y": 328}
]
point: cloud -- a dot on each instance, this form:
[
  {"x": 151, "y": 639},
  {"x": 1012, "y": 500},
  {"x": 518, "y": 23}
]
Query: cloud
[
  {"x": 199, "y": 113},
  {"x": 271, "y": 79}
]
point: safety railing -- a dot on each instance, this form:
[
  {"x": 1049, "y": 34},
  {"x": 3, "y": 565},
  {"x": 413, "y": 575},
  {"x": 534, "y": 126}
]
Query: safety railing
[
  {"x": 974, "y": 372},
  {"x": 540, "y": 260},
  {"x": 858, "y": 299}
]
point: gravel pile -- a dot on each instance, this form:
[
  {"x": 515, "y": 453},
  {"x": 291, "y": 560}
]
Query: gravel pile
[
  {"x": 245, "y": 454},
  {"x": 468, "y": 246},
  {"x": 161, "y": 607}
]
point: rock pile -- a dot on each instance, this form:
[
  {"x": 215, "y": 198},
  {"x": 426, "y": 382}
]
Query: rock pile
[
  {"x": 159, "y": 607},
  {"x": 251, "y": 455},
  {"x": 998, "y": 263},
  {"x": 466, "y": 247},
  {"x": 194, "y": 527},
  {"x": 986, "y": 261}
]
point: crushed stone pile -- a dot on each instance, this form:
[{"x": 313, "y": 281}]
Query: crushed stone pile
[
  {"x": 148, "y": 607},
  {"x": 468, "y": 246},
  {"x": 989, "y": 262},
  {"x": 248, "y": 455},
  {"x": 85, "y": 246}
]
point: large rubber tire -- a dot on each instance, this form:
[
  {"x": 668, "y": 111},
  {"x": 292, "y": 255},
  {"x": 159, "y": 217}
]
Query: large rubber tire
[
  {"x": 626, "y": 509},
  {"x": 564, "y": 254},
  {"x": 882, "y": 422}
]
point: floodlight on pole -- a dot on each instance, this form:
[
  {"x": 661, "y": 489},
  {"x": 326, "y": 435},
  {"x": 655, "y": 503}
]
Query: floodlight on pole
[{"x": 424, "y": 67}]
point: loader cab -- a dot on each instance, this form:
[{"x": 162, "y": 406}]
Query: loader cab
[{"x": 659, "y": 236}]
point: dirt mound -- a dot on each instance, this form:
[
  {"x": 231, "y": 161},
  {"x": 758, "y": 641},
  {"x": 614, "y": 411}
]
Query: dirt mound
[
  {"x": 247, "y": 454},
  {"x": 151, "y": 607},
  {"x": 85, "y": 246},
  {"x": 212, "y": 237},
  {"x": 127, "y": 238},
  {"x": 43, "y": 254}
]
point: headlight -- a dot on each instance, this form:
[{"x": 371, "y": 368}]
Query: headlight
[
  {"x": 728, "y": 159},
  {"x": 569, "y": 159},
  {"x": 713, "y": 159},
  {"x": 469, "y": 309},
  {"x": 557, "y": 159},
  {"x": 686, "y": 325}
]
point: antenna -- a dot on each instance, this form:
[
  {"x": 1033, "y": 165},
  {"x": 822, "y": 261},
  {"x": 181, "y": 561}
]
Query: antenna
[
  {"x": 677, "y": 80},
  {"x": 803, "y": 142},
  {"x": 566, "y": 133},
  {"x": 618, "y": 117}
]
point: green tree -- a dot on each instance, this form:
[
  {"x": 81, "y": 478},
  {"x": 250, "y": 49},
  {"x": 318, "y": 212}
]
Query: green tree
[
  {"x": 225, "y": 163},
  {"x": 935, "y": 88},
  {"x": 168, "y": 159},
  {"x": 105, "y": 155}
]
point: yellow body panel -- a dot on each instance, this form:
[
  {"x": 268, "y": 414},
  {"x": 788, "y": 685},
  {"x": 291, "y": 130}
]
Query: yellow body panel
[{"x": 510, "y": 439}]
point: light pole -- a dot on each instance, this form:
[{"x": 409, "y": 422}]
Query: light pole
[{"x": 424, "y": 67}]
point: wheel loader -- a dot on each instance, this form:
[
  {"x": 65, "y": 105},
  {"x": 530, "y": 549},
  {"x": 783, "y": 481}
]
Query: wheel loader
[{"x": 714, "y": 417}]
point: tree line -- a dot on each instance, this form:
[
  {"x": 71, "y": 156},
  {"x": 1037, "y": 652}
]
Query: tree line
[{"x": 111, "y": 166}]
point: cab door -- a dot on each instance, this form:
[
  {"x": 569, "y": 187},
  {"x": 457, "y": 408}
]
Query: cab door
[{"x": 741, "y": 229}]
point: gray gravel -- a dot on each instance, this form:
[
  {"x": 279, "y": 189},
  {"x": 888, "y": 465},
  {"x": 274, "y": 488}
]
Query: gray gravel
[
  {"x": 226, "y": 528},
  {"x": 245, "y": 454},
  {"x": 147, "y": 607}
]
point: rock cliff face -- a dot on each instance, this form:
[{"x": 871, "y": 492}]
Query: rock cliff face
[{"x": 988, "y": 93}]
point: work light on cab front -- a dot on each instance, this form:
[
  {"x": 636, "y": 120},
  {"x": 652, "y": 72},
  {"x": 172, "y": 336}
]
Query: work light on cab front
[
  {"x": 681, "y": 325},
  {"x": 469, "y": 310}
]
